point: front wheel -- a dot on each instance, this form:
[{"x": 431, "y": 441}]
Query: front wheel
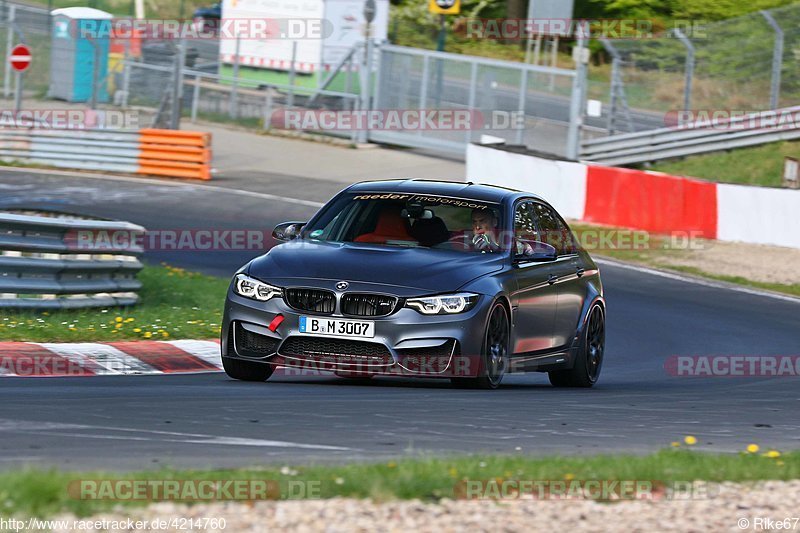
[
  {"x": 494, "y": 357},
  {"x": 589, "y": 360},
  {"x": 246, "y": 370}
]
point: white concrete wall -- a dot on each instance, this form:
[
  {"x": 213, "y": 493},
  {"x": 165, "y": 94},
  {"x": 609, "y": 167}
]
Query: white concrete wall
[
  {"x": 561, "y": 183},
  {"x": 758, "y": 215}
]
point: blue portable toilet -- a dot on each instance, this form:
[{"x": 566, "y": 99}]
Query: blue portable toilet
[{"x": 80, "y": 37}]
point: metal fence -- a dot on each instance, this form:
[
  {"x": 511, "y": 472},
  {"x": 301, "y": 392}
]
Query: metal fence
[
  {"x": 747, "y": 63},
  {"x": 22, "y": 24},
  {"x": 494, "y": 90},
  {"x": 44, "y": 266}
]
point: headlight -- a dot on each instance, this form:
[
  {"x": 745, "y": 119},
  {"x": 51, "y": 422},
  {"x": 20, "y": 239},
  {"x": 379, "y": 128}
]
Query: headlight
[
  {"x": 254, "y": 289},
  {"x": 447, "y": 304}
]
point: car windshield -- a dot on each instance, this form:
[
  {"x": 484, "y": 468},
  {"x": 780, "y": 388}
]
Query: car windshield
[{"x": 408, "y": 220}]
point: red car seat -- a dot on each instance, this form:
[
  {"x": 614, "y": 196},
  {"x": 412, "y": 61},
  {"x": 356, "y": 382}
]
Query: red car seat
[{"x": 391, "y": 226}]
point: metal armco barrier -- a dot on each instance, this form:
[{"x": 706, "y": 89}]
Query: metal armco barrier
[
  {"x": 170, "y": 153},
  {"x": 680, "y": 141},
  {"x": 63, "y": 263}
]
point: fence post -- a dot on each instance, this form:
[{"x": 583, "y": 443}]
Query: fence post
[
  {"x": 687, "y": 90},
  {"x": 423, "y": 91},
  {"x": 268, "y": 110},
  {"x": 292, "y": 74},
  {"x": 523, "y": 95},
  {"x": 233, "y": 103},
  {"x": 177, "y": 87},
  {"x": 195, "y": 98},
  {"x": 473, "y": 93},
  {"x": 9, "y": 45},
  {"x": 777, "y": 60},
  {"x": 576, "y": 102}
]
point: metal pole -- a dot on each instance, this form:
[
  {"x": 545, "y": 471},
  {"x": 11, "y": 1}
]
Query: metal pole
[
  {"x": 195, "y": 98},
  {"x": 423, "y": 91},
  {"x": 553, "y": 62},
  {"x": 473, "y": 90},
  {"x": 177, "y": 88},
  {"x": 687, "y": 91},
  {"x": 232, "y": 112},
  {"x": 523, "y": 93},
  {"x": 442, "y": 32},
  {"x": 576, "y": 102},
  {"x": 126, "y": 83},
  {"x": 9, "y": 45},
  {"x": 292, "y": 74},
  {"x": 95, "y": 73},
  {"x": 537, "y": 49},
  {"x": 17, "y": 91},
  {"x": 777, "y": 60},
  {"x": 268, "y": 110}
]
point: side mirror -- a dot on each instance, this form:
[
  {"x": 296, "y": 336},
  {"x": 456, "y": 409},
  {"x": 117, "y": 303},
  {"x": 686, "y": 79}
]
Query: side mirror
[
  {"x": 287, "y": 231},
  {"x": 534, "y": 251}
]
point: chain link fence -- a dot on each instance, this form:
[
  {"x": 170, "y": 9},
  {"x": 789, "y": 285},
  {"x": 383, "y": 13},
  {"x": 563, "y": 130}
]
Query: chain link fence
[{"x": 748, "y": 63}]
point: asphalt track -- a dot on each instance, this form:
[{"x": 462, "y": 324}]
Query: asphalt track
[{"x": 209, "y": 420}]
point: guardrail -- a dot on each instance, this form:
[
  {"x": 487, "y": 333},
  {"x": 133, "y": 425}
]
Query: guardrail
[
  {"x": 696, "y": 138},
  {"x": 52, "y": 262},
  {"x": 154, "y": 152}
]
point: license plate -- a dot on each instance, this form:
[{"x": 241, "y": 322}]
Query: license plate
[{"x": 334, "y": 327}]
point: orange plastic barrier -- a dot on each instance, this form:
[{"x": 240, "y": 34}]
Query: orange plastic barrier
[{"x": 175, "y": 153}]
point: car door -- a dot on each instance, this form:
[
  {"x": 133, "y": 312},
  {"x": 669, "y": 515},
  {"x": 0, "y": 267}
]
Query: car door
[
  {"x": 536, "y": 297},
  {"x": 569, "y": 269}
]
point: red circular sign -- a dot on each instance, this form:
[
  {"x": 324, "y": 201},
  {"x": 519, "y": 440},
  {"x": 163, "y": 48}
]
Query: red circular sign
[{"x": 20, "y": 58}]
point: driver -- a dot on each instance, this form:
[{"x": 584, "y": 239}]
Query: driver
[{"x": 484, "y": 228}]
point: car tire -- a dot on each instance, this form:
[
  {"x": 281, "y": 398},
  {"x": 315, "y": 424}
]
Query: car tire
[
  {"x": 494, "y": 353},
  {"x": 246, "y": 370},
  {"x": 589, "y": 361}
]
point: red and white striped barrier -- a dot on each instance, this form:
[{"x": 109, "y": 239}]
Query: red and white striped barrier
[
  {"x": 650, "y": 201},
  {"x": 115, "y": 358}
]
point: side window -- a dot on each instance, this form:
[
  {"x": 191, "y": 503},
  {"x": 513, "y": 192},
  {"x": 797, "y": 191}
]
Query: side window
[
  {"x": 553, "y": 231},
  {"x": 525, "y": 222}
]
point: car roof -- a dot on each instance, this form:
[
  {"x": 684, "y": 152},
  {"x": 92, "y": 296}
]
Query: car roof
[{"x": 469, "y": 190}]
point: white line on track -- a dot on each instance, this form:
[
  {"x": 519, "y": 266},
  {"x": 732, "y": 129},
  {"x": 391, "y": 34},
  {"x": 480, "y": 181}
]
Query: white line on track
[
  {"x": 54, "y": 428},
  {"x": 698, "y": 281}
]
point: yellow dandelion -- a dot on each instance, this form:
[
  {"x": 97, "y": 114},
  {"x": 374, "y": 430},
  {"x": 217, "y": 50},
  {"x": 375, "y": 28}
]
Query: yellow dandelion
[
  {"x": 690, "y": 440},
  {"x": 752, "y": 448},
  {"x": 675, "y": 444},
  {"x": 772, "y": 454},
  {"x": 164, "y": 334},
  {"x": 569, "y": 477},
  {"x": 453, "y": 472},
  {"x": 137, "y": 330},
  {"x": 129, "y": 319},
  {"x": 147, "y": 334},
  {"x": 391, "y": 464},
  {"x": 118, "y": 319},
  {"x": 118, "y": 326}
]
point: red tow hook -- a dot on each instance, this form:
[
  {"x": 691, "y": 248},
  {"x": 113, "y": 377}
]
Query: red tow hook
[{"x": 275, "y": 323}]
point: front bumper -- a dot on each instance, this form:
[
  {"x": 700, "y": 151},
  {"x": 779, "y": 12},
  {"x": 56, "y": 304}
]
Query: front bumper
[{"x": 406, "y": 343}]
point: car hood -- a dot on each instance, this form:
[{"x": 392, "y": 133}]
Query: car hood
[{"x": 420, "y": 269}]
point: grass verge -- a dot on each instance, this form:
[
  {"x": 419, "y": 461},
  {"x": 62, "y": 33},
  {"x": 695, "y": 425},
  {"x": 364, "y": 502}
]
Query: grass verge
[
  {"x": 175, "y": 304},
  {"x": 44, "y": 493},
  {"x": 759, "y": 165}
]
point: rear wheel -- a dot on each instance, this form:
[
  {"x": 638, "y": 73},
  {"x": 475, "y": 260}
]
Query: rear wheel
[
  {"x": 589, "y": 360},
  {"x": 494, "y": 357},
  {"x": 246, "y": 370}
]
